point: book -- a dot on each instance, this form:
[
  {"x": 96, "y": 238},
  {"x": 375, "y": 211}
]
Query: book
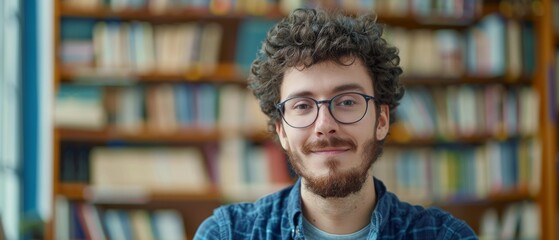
[
  {"x": 250, "y": 36},
  {"x": 449, "y": 50},
  {"x": 206, "y": 100},
  {"x": 230, "y": 162},
  {"x": 528, "y": 49},
  {"x": 80, "y": 107},
  {"x": 92, "y": 221},
  {"x": 115, "y": 227},
  {"x": 168, "y": 224},
  {"x": 144, "y": 56},
  {"x": 185, "y": 105},
  {"x": 510, "y": 223},
  {"x": 230, "y": 105},
  {"x": 141, "y": 225},
  {"x": 210, "y": 46},
  {"x": 277, "y": 163},
  {"x": 152, "y": 169},
  {"x": 514, "y": 50},
  {"x": 160, "y": 109},
  {"x": 78, "y": 229},
  {"x": 489, "y": 225},
  {"x": 255, "y": 121},
  {"x": 530, "y": 221},
  {"x": 77, "y": 53},
  {"x": 128, "y": 109},
  {"x": 61, "y": 218}
]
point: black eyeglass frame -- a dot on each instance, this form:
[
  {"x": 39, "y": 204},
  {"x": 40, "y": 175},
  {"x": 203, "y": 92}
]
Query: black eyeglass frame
[{"x": 280, "y": 107}]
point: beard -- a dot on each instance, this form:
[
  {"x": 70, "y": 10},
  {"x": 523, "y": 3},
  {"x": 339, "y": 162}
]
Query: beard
[{"x": 338, "y": 183}]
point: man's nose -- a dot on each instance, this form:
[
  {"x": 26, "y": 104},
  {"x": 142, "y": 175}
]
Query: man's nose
[{"x": 325, "y": 123}]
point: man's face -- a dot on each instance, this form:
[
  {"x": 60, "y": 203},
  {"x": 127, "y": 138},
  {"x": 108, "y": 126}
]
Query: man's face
[{"x": 332, "y": 158}]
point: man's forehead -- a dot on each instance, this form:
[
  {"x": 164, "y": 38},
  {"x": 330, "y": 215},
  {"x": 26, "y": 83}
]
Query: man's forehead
[{"x": 326, "y": 78}]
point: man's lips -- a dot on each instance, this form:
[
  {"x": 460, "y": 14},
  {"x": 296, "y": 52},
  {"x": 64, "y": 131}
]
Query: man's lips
[
  {"x": 332, "y": 145},
  {"x": 330, "y": 150}
]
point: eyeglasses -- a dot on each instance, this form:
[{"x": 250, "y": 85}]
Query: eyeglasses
[{"x": 345, "y": 108}]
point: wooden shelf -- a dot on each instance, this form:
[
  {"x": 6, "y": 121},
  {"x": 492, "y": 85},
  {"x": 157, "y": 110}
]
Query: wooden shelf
[
  {"x": 109, "y": 134},
  {"x": 394, "y": 141},
  {"x": 171, "y": 15},
  {"x": 224, "y": 73},
  {"x": 190, "y": 14},
  {"x": 435, "y": 22},
  {"x": 181, "y": 136},
  {"x": 228, "y": 73},
  {"x": 176, "y": 15},
  {"x": 187, "y": 14},
  {"x": 82, "y": 192},
  {"x": 211, "y": 135},
  {"x": 433, "y": 141},
  {"x": 415, "y": 22},
  {"x": 475, "y": 80},
  {"x": 517, "y": 195},
  {"x": 507, "y": 10}
]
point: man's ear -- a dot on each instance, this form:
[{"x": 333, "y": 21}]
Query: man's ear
[
  {"x": 281, "y": 135},
  {"x": 383, "y": 122}
]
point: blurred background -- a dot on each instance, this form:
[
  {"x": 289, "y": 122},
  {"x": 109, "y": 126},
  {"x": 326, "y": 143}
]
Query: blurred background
[{"x": 130, "y": 119}]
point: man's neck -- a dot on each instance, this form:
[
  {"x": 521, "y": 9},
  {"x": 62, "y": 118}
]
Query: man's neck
[{"x": 340, "y": 215}]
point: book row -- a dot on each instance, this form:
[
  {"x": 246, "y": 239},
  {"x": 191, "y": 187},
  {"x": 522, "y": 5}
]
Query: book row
[
  {"x": 238, "y": 168},
  {"x": 421, "y": 8},
  {"x": 436, "y": 112},
  {"x": 245, "y": 171},
  {"x": 142, "y": 47},
  {"x": 160, "y": 108},
  {"x": 455, "y": 9},
  {"x": 495, "y": 46},
  {"x": 519, "y": 220},
  {"x": 461, "y": 173},
  {"x": 159, "y": 7},
  {"x": 467, "y": 110},
  {"x": 78, "y": 220}
]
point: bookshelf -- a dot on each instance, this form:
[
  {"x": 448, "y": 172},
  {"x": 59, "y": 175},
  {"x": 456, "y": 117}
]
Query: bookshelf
[
  {"x": 223, "y": 139},
  {"x": 555, "y": 32},
  {"x": 76, "y": 193}
]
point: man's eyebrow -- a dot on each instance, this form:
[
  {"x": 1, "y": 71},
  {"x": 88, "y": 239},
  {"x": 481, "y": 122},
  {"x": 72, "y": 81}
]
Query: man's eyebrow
[
  {"x": 299, "y": 94},
  {"x": 349, "y": 87},
  {"x": 338, "y": 89}
]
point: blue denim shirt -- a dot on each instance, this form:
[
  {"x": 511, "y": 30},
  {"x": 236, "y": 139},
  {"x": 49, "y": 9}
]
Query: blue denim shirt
[{"x": 279, "y": 216}]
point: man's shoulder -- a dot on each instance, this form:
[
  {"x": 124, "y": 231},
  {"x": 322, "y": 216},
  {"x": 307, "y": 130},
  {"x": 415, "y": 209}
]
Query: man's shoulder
[
  {"x": 436, "y": 222},
  {"x": 247, "y": 220},
  {"x": 431, "y": 222}
]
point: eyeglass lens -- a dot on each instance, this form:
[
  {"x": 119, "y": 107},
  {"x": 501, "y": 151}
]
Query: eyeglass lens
[{"x": 345, "y": 108}]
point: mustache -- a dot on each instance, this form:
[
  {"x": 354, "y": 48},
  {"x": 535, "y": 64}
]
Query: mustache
[{"x": 329, "y": 142}]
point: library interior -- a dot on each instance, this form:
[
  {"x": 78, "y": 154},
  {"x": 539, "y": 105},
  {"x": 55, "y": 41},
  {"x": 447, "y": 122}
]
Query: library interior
[{"x": 132, "y": 119}]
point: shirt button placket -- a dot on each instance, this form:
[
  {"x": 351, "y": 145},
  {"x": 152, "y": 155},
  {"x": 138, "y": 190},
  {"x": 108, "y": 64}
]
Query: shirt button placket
[{"x": 298, "y": 233}]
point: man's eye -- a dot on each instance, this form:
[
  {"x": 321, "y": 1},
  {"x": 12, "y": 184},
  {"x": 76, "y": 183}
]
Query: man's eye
[
  {"x": 302, "y": 106},
  {"x": 347, "y": 103}
]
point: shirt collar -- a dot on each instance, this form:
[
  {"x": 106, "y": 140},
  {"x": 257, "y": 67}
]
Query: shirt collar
[
  {"x": 294, "y": 205},
  {"x": 379, "y": 217}
]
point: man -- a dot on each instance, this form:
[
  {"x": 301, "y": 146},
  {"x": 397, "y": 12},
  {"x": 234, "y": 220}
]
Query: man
[{"x": 329, "y": 85}]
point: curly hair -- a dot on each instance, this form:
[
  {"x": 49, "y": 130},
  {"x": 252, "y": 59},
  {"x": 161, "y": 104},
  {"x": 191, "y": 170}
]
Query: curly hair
[{"x": 309, "y": 36}]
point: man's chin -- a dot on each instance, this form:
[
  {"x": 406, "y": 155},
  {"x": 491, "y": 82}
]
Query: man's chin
[{"x": 337, "y": 185}]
